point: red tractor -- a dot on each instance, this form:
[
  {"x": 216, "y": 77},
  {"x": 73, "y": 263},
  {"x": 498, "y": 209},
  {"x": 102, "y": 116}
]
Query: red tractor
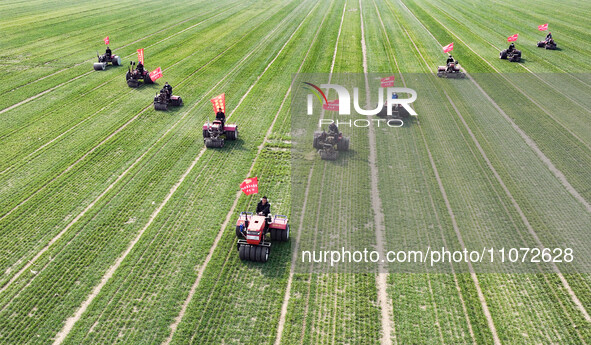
[
  {"x": 216, "y": 132},
  {"x": 137, "y": 74},
  {"x": 251, "y": 231}
]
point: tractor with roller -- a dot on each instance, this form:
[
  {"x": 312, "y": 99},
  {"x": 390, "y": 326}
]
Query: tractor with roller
[
  {"x": 215, "y": 133},
  {"x": 450, "y": 70},
  {"x": 106, "y": 59},
  {"x": 398, "y": 111},
  {"x": 511, "y": 54},
  {"x": 548, "y": 43},
  {"x": 137, "y": 75},
  {"x": 165, "y": 99},
  {"x": 251, "y": 231},
  {"x": 329, "y": 144}
]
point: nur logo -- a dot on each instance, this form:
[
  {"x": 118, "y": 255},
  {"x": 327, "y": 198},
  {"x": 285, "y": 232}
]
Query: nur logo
[{"x": 343, "y": 103}]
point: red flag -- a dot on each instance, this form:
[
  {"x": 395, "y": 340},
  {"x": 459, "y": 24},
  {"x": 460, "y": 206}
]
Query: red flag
[
  {"x": 106, "y": 39},
  {"x": 512, "y": 38},
  {"x": 331, "y": 105},
  {"x": 387, "y": 82},
  {"x": 156, "y": 74},
  {"x": 219, "y": 102},
  {"x": 250, "y": 186},
  {"x": 448, "y": 48},
  {"x": 543, "y": 27},
  {"x": 140, "y": 55}
]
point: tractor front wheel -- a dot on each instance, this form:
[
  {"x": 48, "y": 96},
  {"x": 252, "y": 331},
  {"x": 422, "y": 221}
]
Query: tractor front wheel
[
  {"x": 343, "y": 144},
  {"x": 242, "y": 252},
  {"x": 263, "y": 254}
]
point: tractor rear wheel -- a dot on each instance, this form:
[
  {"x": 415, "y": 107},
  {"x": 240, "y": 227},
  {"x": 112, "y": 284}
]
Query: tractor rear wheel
[
  {"x": 205, "y": 133},
  {"x": 238, "y": 232},
  {"x": 316, "y": 143},
  {"x": 285, "y": 234},
  {"x": 232, "y": 135},
  {"x": 116, "y": 61},
  {"x": 273, "y": 234},
  {"x": 343, "y": 144},
  {"x": 503, "y": 54}
]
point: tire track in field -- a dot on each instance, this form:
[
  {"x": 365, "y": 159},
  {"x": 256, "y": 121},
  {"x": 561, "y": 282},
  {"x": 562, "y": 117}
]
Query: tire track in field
[
  {"x": 129, "y": 91},
  {"x": 531, "y": 231},
  {"x": 523, "y": 66},
  {"x": 92, "y": 71},
  {"x": 201, "y": 270},
  {"x": 387, "y": 319},
  {"x": 545, "y": 159},
  {"x": 450, "y": 211},
  {"x": 530, "y": 142},
  {"x": 455, "y": 278},
  {"x": 70, "y": 322},
  {"x": 126, "y": 124},
  {"x": 57, "y": 237},
  {"x": 295, "y": 249}
]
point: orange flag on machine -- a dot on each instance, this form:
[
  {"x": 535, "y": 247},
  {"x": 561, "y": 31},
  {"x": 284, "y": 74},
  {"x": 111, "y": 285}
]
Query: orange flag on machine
[
  {"x": 387, "y": 82},
  {"x": 140, "y": 55},
  {"x": 512, "y": 38},
  {"x": 106, "y": 39},
  {"x": 156, "y": 74},
  {"x": 250, "y": 186},
  {"x": 543, "y": 27},
  {"x": 219, "y": 102},
  {"x": 448, "y": 48}
]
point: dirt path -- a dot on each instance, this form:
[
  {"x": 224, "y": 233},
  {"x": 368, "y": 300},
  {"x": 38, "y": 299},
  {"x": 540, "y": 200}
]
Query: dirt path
[
  {"x": 295, "y": 248},
  {"x": 461, "y": 297},
  {"x": 387, "y": 320},
  {"x": 473, "y": 275}
]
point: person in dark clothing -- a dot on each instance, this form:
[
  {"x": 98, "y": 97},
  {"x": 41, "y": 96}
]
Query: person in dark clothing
[
  {"x": 263, "y": 207},
  {"x": 221, "y": 116},
  {"x": 450, "y": 59},
  {"x": 511, "y": 48},
  {"x": 549, "y": 36},
  {"x": 333, "y": 129},
  {"x": 140, "y": 67},
  {"x": 167, "y": 89},
  {"x": 108, "y": 53}
]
